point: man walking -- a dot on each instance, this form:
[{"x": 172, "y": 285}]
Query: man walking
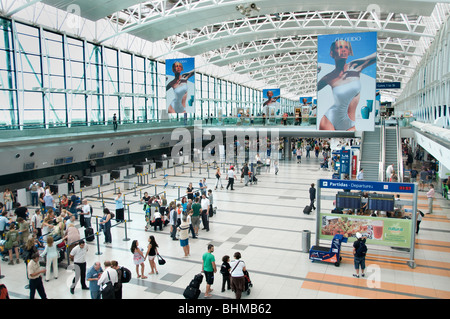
[
  {"x": 78, "y": 255},
  {"x": 205, "y": 204},
  {"x": 312, "y": 196},
  {"x": 230, "y": 178},
  {"x": 35, "y": 278},
  {"x": 209, "y": 268}
]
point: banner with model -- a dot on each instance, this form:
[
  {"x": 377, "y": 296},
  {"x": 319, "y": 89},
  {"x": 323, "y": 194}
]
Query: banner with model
[
  {"x": 271, "y": 106},
  {"x": 346, "y": 81},
  {"x": 180, "y": 85}
]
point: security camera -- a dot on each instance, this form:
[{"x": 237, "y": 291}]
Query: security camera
[
  {"x": 239, "y": 7},
  {"x": 254, "y": 6}
]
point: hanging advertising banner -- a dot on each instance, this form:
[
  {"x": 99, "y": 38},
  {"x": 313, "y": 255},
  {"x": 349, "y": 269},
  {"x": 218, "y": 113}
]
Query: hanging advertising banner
[
  {"x": 393, "y": 232},
  {"x": 180, "y": 85},
  {"x": 305, "y": 103},
  {"x": 346, "y": 81},
  {"x": 271, "y": 106}
]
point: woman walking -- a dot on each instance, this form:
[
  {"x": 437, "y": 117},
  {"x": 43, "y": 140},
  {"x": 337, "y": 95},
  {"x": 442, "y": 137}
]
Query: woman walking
[
  {"x": 152, "y": 251},
  {"x": 218, "y": 178},
  {"x": 237, "y": 275},
  {"x": 138, "y": 258}
]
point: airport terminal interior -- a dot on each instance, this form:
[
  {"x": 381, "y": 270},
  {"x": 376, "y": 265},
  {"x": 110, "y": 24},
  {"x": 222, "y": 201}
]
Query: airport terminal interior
[{"x": 331, "y": 117}]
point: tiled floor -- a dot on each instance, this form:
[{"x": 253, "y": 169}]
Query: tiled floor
[{"x": 265, "y": 223}]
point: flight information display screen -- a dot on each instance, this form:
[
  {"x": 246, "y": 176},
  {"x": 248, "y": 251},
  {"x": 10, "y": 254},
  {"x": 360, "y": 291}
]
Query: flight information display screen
[{"x": 348, "y": 200}]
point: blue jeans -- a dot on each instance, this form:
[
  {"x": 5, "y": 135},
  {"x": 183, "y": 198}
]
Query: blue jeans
[
  {"x": 95, "y": 294},
  {"x": 34, "y": 199}
]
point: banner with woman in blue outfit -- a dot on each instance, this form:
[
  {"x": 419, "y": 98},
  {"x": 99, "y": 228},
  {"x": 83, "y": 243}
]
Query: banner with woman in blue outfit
[
  {"x": 180, "y": 85},
  {"x": 346, "y": 81}
]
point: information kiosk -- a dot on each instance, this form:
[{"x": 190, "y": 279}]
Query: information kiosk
[{"x": 368, "y": 208}]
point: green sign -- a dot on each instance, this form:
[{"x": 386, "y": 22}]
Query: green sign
[{"x": 393, "y": 232}]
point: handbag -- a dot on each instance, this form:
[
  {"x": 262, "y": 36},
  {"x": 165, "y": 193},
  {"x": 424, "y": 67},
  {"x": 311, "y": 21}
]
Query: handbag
[
  {"x": 161, "y": 260},
  {"x": 108, "y": 290}
]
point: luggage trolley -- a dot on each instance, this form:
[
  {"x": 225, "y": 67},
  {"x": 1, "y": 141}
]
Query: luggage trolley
[{"x": 326, "y": 254}]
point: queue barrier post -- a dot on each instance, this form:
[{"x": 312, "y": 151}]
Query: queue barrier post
[
  {"x": 126, "y": 233},
  {"x": 128, "y": 212},
  {"x": 97, "y": 235}
]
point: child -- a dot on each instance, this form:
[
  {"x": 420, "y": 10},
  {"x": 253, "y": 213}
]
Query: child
[
  {"x": 276, "y": 167},
  {"x": 225, "y": 271},
  {"x": 51, "y": 251},
  {"x": 138, "y": 258}
]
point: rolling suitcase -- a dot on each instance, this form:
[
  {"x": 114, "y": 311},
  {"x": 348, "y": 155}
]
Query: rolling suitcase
[
  {"x": 89, "y": 234},
  {"x": 191, "y": 293},
  {"x": 193, "y": 290},
  {"x": 307, "y": 210}
]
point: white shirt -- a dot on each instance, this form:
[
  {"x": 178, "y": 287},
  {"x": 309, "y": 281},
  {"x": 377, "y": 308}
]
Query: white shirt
[
  {"x": 104, "y": 277},
  {"x": 360, "y": 176},
  {"x": 37, "y": 220},
  {"x": 79, "y": 254},
  {"x": 87, "y": 210},
  {"x": 205, "y": 203},
  {"x": 389, "y": 171},
  {"x": 238, "y": 271},
  {"x": 230, "y": 173}
]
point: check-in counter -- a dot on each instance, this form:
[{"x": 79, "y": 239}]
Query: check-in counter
[
  {"x": 77, "y": 185},
  {"x": 93, "y": 180},
  {"x": 22, "y": 198},
  {"x": 170, "y": 162},
  {"x": 105, "y": 178},
  {"x": 119, "y": 174},
  {"x": 143, "y": 168},
  {"x": 130, "y": 181},
  {"x": 131, "y": 170}
]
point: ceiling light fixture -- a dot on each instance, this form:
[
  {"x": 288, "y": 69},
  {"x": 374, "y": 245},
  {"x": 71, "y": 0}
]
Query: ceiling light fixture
[{"x": 247, "y": 10}]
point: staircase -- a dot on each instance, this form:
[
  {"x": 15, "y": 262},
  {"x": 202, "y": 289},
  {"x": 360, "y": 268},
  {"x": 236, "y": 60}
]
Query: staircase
[{"x": 371, "y": 154}]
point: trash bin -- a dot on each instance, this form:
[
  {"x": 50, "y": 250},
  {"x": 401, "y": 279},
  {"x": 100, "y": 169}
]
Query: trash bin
[{"x": 306, "y": 241}]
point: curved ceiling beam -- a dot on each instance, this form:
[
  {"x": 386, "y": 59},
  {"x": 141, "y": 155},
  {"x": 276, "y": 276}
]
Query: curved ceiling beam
[
  {"x": 156, "y": 20},
  {"x": 206, "y": 40},
  {"x": 235, "y": 56}
]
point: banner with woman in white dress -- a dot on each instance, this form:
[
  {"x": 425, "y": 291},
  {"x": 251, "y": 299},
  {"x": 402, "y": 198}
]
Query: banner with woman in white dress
[{"x": 346, "y": 81}]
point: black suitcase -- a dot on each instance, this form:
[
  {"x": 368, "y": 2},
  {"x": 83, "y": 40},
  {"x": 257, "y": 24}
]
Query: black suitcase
[
  {"x": 191, "y": 293},
  {"x": 196, "y": 282},
  {"x": 307, "y": 210},
  {"x": 89, "y": 234}
]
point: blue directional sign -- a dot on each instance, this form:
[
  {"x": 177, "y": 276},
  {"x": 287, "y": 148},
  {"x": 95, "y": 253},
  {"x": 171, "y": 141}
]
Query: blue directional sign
[
  {"x": 367, "y": 186},
  {"x": 345, "y": 158}
]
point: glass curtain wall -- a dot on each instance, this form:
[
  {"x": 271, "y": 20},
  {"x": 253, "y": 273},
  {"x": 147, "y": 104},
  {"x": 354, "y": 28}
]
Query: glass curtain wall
[{"x": 48, "y": 79}]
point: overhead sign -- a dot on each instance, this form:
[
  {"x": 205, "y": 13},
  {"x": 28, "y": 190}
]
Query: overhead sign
[
  {"x": 388, "y": 85},
  {"x": 368, "y": 186},
  {"x": 345, "y": 161}
]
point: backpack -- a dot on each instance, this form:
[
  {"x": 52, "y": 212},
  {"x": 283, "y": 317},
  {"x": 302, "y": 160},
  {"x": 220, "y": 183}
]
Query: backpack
[
  {"x": 34, "y": 188},
  {"x": 126, "y": 275},
  {"x": 362, "y": 249},
  {"x": 3, "y": 292}
]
